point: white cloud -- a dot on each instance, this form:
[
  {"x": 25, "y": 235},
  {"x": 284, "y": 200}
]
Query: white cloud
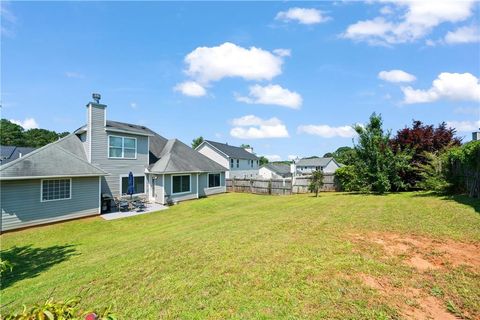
[
  {"x": 191, "y": 89},
  {"x": 273, "y": 157},
  {"x": 327, "y": 131},
  {"x": 283, "y": 52},
  {"x": 28, "y": 123},
  {"x": 412, "y": 20},
  {"x": 292, "y": 156},
  {"x": 302, "y": 15},
  {"x": 133, "y": 105},
  {"x": 75, "y": 75},
  {"x": 207, "y": 64},
  {"x": 272, "y": 94},
  {"x": 464, "y": 126},
  {"x": 452, "y": 86},
  {"x": 469, "y": 34},
  {"x": 253, "y": 127},
  {"x": 396, "y": 76}
]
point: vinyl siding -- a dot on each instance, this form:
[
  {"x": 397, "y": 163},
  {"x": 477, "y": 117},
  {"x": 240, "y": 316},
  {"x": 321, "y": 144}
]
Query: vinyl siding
[
  {"x": 21, "y": 205},
  {"x": 331, "y": 167},
  {"x": 204, "y": 190},
  {"x": 115, "y": 167},
  {"x": 183, "y": 196},
  {"x": 214, "y": 155}
]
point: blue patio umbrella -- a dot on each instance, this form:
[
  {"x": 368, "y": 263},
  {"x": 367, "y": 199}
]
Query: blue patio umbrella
[{"x": 131, "y": 186}]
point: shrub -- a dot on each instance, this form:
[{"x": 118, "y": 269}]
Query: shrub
[
  {"x": 60, "y": 310},
  {"x": 316, "y": 183},
  {"x": 347, "y": 179},
  {"x": 463, "y": 170},
  {"x": 5, "y": 266}
]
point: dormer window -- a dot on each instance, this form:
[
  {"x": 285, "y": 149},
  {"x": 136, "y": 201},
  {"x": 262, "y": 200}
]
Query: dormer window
[{"x": 122, "y": 147}]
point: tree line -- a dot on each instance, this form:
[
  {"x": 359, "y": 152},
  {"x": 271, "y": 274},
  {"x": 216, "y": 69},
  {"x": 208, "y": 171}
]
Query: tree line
[{"x": 12, "y": 134}]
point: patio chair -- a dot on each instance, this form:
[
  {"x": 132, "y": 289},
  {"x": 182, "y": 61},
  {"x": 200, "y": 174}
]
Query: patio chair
[{"x": 121, "y": 205}]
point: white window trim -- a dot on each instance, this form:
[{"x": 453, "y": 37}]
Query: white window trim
[
  {"x": 181, "y": 175},
  {"x": 138, "y": 175},
  {"x": 123, "y": 147},
  {"x": 41, "y": 190},
  {"x": 208, "y": 181}
]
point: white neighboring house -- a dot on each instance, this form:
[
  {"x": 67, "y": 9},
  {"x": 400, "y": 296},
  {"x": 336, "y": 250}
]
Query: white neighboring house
[
  {"x": 275, "y": 171},
  {"x": 307, "y": 166},
  {"x": 242, "y": 162}
]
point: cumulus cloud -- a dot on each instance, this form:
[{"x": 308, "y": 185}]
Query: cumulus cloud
[
  {"x": 327, "y": 131},
  {"x": 470, "y": 34},
  {"x": 283, "y": 52},
  {"x": 191, "y": 89},
  {"x": 410, "y": 21},
  {"x": 464, "y": 126},
  {"x": 253, "y": 127},
  {"x": 207, "y": 64},
  {"x": 272, "y": 94},
  {"x": 451, "y": 86},
  {"x": 396, "y": 76},
  {"x": 302, "y": 15},
  {"x": 75, "y": 75},
  {"x": 28, "y": 123},
  {"x": 273, "y": 157}
]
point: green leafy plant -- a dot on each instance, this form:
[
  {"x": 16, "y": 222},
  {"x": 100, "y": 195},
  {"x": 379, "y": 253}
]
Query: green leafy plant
[
  {"x": 5, "y": 266},
  {"x": 432, "y": 172},
  {"x": 316, "y": 183},
  {"x": 61, "y": 310}
]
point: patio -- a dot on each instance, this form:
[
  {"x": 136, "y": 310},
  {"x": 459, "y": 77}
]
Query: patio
[{"x": 149, "y": 207}]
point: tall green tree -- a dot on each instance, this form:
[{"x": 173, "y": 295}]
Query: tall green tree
[
  {"x": 377, "y": 166},
  {"x": 263, "y": 160},
  {"x": 196, "y": 142},
  {"x": 344, "y": 155},
  {"x": 39, "y": 137},
  {"x": 316, "y": 183},
  {"x": 11, "y": 134}
]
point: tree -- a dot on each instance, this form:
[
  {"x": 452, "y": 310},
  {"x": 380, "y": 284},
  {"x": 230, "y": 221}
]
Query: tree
[
  {"x": 196, "y": 142},
  {"x": 377, "y": 167},
  {"x": 244, "y": 146},
  {"x": 344, "y": 155},
  {"x": 11, "y": 134},
  {"x": 328, "y": 155},
  {"x": 39, "y": 137},
  {"x": 262, "y": 160},
  {"x": 421, "y": 141},
  {"x": 316, "y": 183}
]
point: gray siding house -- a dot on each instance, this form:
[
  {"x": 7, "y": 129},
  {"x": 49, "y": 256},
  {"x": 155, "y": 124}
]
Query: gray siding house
[
  {"x": 307, "y": 166},
  {"x": 241, "y": 162},
  {"x": 67, "y": 179}
]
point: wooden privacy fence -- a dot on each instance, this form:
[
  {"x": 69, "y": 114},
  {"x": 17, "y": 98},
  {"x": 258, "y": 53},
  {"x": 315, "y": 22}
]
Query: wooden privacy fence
[{"x": 278, "y": 186}]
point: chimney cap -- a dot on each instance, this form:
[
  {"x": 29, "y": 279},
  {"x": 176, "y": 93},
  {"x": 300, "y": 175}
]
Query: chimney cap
[{"x": 96, "y": 97}]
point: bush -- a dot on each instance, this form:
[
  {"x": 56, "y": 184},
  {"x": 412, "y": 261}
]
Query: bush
[
  {"x": 60, "y": 310},
  {"x": 5, "y": 266},
  {"x": 432, "y": 172},
  {"x": 463, "y": 169},
  {"x": 347, "y": 179}
]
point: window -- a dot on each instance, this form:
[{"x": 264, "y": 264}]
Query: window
[
  {"x": 122, "y": 147},
  {"x": 138, "y": 184},
  {"x": 213, "y": 180},
  {"x": 56, "y": 189},
  {"x": 180, "y": 184},
  {"x": 251, "y": 163},
  {"x": 231, "y": 163},
  {"x": 238, "y": 163}
]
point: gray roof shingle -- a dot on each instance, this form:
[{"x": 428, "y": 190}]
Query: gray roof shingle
[
  {"x": 313, "y": 162},
  {"x": 279, "y": 168},
  {"x": 232, "y": 151},
  {"x": 65, "y": 157},
  {"x": 10, "y": 153},
  {"x": 178, "y": 157}
]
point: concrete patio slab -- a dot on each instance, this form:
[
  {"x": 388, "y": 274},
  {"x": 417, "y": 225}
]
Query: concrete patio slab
[{"x": 150, "y": 207}]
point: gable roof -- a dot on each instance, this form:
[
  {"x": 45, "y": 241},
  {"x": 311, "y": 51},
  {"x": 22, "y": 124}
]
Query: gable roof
[
  {"x": 314, "y": 162},
  {"x": 177, "y": 157},
  {"x": 278, "y": 168},
  {"x": 117, "y": 126},
  {"x": 63, "y": 158},
  {"x": 231, "y": 151},
  {"x": 10, "y": 153}
]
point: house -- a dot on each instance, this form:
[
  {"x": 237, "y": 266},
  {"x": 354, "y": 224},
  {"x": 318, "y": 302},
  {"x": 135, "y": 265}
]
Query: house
[
  {"x": 308, "y": 165},
  {"x": 242, "y": 162},
  {"x": 68, "y": 178},
  {"x": 10, "y": 153},
  {"x": 275, "y": 171}
]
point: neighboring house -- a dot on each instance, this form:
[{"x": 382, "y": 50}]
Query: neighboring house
[
  {"x": 307, "y": 166},
  {"x": 275, "y": 171},
  {"x": 10, "y": 153},
  {"x": 242, "y": 163},
  {"x": 66, "y": 179}
]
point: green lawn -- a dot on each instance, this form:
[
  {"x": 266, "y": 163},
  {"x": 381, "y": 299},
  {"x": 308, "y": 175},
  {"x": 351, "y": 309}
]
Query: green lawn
[{"x": 251, "y": 256}]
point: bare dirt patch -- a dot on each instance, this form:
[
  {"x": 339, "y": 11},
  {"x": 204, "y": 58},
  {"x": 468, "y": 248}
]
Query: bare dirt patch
[
  {"x": 412, "y": 303},
  {"x": 424, "y": 253}
]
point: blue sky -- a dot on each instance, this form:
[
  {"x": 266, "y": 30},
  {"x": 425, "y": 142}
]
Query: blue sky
[{"x": 214, "y": 69}]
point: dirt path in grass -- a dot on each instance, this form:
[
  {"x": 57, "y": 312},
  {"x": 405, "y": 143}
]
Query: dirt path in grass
[{"x": 424, "y": 255}]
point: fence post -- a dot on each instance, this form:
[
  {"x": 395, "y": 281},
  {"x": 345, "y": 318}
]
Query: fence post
[{"x": 233, "y": 184}]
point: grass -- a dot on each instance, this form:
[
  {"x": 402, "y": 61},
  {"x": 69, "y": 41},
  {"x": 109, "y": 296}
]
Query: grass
[{"x": 243, "y": 256}]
